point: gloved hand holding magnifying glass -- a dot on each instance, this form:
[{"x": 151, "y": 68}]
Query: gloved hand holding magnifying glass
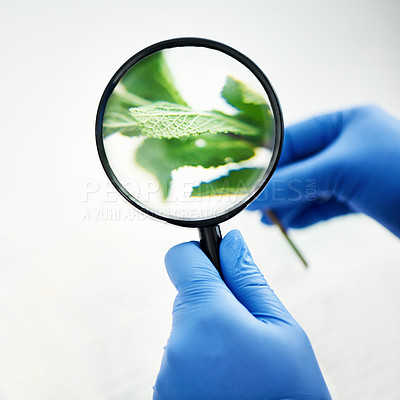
[{"x": 232, "y": 340}]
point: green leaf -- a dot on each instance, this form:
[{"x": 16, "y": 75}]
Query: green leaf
[
  {"x": 162, "y": 156},
  {"x": 117, "y": 117},
  {"x": 168, "y": 120},
  {"x": 147, "y": 81},
  {"x": 151, "y": 79},
  {"x": 239, "y": 181},
  {"x": 252, "y": 105}
]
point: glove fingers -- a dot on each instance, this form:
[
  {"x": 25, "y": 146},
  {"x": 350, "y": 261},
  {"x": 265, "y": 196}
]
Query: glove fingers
[
  {"x": 319, "y": 212},
  {"x": 246, "y": 282},
  {"x": 300, "y": 182},
  {"x": 309, "y": 137},
  {"x": 285, "y": 215},
  {"x": 303, "y": 215}
]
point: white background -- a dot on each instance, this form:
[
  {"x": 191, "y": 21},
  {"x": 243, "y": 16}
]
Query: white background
[{"x": 85, "y": 302}]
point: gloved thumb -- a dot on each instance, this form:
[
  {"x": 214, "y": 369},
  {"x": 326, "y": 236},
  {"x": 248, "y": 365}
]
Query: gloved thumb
[
  {"x": 191, "y": 271},
  {"x": 247, "y": 283}
]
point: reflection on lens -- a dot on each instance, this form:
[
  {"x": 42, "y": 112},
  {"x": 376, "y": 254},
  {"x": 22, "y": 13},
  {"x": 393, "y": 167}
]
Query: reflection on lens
[{"x": 189, "y": 133}]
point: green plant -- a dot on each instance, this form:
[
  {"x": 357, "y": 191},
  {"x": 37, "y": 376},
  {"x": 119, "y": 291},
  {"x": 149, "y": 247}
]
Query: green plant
[{"x": 146, "y": 103}]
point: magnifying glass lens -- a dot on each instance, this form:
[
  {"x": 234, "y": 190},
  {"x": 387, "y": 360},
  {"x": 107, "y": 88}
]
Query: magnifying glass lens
[{"x": 188, "y": 133}]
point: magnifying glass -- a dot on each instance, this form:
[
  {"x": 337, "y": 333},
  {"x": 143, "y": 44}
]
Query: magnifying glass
[{"x": 189, "y": 131}]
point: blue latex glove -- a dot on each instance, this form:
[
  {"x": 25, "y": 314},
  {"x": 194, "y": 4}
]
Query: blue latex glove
[
  {"x": 232, "y": 340},
  {"x": 337, "y": 164}
]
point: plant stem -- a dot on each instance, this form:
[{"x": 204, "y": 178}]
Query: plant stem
[
  {"x": 278, "y": 223},
  {"x": 131, "y": 98}
]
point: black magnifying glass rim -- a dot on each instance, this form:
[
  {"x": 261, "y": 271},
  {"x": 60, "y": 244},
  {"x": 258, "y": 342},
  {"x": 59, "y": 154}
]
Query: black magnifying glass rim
[{"x": 191, "y": 42}]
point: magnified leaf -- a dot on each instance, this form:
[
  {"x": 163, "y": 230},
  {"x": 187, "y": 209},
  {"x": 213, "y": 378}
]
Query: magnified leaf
[
  {"x": 146, "y": 102},
  {"x": 148, "y": 81},
  {"x": 239, "y": 181},
  {"x": 117, "y": 117},
  {"x": 162, "y": 156},
  {"x": 168, "y": 120},
  {"x": 151, "y": 79},
  {"x": 252, "y": 106}
]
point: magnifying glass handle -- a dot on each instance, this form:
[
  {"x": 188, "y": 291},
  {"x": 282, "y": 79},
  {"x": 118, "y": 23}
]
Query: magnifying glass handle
[{"x": 210, "y": 239}]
